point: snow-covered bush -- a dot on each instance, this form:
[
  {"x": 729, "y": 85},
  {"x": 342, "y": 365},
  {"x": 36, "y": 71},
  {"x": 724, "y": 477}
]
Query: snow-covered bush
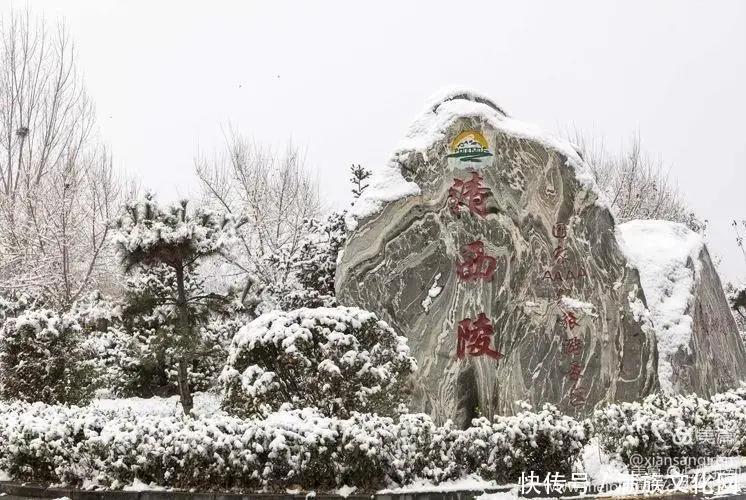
[
  {"x": 43, "y": 358},
  {"x": 544, "y": 442},
  {"x": 339, "y": 360},
  {"x": 15, "y": 303},
  {"x": 135, "y": 341},
  {"x": 39, "y": 442},
  {"x": 729, "y": 409},
  {"x": 423, "y": 449},
  {"x": 289, "y": 448},
  {"x": 662, "y": 425}
]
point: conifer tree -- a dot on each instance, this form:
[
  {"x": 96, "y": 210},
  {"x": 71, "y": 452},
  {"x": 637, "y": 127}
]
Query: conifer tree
[
  {"x": 150, "y": 236},
  {"x": 358, "y": 177}
]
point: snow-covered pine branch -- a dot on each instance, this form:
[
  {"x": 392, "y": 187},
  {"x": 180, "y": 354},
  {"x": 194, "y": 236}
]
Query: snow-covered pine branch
[{"x": 175, "y": 239}]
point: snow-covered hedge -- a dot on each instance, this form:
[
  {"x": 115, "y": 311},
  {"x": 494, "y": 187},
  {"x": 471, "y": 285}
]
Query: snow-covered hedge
[
  {"x": 288, "y": 448},
  {"x": 730, "y": 419},
  {"x": 665, "y": 425},
  {"x": 546, "y": 441},
  {"x": 338, "y": 360},
  {"x": 43, "y": 358}
]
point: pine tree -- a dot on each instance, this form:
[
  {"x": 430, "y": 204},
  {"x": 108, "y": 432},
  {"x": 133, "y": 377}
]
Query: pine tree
[
  {"x": 358, "y": 177},
  {"x": 314, "y": 267},
  {"x": 150, "y": 237}
]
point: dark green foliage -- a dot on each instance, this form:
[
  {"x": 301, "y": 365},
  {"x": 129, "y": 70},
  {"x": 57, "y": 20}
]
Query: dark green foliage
[
  {"x": 313, "y": 268},
  {"x": 339, "y": 360},
  {"x": 168, "y": 244},
  {"x": 43, "y": 358},
  {"x": 358, "y": 176}
]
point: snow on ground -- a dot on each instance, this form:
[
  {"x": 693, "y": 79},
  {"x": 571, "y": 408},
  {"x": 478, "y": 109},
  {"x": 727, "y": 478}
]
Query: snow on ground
[
  {"x": 388, "y": 184},
  {"x": 468, "y": 483},
  {"x": 346, "y": 491},
  {"x": 601, "y": 468},
  {"x": 205, "y": 403},
  {"x": 138, "y": 485},
  {"x": 660, "y": 251}
]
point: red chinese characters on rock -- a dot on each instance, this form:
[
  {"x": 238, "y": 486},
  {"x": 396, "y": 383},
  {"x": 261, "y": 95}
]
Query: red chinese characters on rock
[
  {"x": 476, "y": 264},
  {"x": 570, "y": 320},
  {"x": 474, "y": 338},
  {"x": 573, "y": 346},
  {"x": 559, "y": 231},
  {"x": 577, "y": 396},
  {"x": 471, "y": 194},
  {"x": 575, "y": 371}
]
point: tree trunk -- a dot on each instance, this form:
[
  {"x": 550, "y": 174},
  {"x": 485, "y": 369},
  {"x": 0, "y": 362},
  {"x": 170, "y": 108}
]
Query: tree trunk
[
  {"x": 185, "y": 341},
  {"x": 185, "y": 395}
]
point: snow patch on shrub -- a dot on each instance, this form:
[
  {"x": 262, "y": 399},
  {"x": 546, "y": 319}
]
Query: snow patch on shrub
[
  {"x": 339, "y": 360},
  {"x": 665, "y": 425},
  {"x": 287, "y": 449}
]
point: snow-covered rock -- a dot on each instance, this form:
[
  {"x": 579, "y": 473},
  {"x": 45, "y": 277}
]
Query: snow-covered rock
[
  {"x": 568, "y": 309},
  {"x": 699, "y": 349},
  {"x": 442, "y": 110},
  {"x": 485, "y": 215}
]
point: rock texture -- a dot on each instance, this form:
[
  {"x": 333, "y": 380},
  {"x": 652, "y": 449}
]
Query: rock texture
[
  {"x": 486, "y": 244},
  {"x": 699, "y": 348}
]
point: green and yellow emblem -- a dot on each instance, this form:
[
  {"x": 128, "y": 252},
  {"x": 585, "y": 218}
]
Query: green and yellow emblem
[{"x": 470, "y": 146}]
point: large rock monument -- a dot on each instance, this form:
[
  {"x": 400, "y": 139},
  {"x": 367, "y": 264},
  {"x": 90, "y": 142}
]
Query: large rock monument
[{"x": 489, "y": 246}]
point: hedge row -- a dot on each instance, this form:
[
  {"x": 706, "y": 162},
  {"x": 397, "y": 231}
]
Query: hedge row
[
  {"x": 665, "y": 425},
  {"x": 76, "y": 446}
]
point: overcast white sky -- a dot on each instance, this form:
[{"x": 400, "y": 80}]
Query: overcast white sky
[{"x": 344, "y": 79}]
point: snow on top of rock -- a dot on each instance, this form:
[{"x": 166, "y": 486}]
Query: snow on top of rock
[
  {"x": 578, "y": 305},
  {"x": 434, "y": 291},
  {"x": 660, "y": 251},
  {"x": 445, "y": 107},
  {"x": 386, "y": 184}
]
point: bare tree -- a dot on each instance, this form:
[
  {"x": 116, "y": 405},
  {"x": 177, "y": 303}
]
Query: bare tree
[
  {"x": 636, "y": 185},
  {"x": 58, "y": 189},
  {"x": 275, "y": 192}
]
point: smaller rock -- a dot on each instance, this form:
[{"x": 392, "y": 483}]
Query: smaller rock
[{"x": 699, "y": 349}]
